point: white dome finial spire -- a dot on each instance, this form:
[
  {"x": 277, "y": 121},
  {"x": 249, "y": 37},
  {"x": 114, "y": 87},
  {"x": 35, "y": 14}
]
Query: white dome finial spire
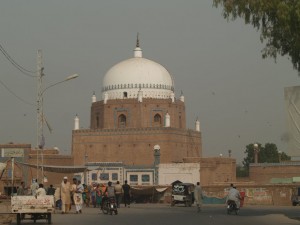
[
  {"x": 138, "y": 51},
  {"x": 137, "y": 40}
]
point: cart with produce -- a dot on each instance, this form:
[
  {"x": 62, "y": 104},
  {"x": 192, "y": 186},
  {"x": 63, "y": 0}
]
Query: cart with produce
[{"x": 33, "y": 208}]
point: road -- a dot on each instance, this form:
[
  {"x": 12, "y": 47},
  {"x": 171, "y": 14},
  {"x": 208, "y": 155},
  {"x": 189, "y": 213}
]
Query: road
[{"x": 160, "y": 214}]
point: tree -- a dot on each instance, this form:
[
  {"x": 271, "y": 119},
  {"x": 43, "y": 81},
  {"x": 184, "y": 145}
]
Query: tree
[
  {"x": 267, "y": 154},
  {"x": 278, "y": 20}
]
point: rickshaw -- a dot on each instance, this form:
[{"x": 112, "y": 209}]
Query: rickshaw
[{"x": 182, "y": 193}]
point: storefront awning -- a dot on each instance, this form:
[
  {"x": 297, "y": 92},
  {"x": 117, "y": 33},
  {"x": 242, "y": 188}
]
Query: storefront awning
[
  {"x": 57, "y": 169},
  {"x": 148, "y": 190}
]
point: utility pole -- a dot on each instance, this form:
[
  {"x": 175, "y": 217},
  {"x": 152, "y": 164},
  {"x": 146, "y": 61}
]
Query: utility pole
[{"x": 40, "y": 116}]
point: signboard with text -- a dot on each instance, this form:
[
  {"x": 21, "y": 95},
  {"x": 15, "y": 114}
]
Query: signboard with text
[{"x": 12, "y": 152}]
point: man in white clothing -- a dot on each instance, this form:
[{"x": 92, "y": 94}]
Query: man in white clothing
[
  {"x": 234, "y": 195},
  {"x": 40, "y": 191},
  {"x": 198, "y": 196},
  {"x": 78, "y": 201}
]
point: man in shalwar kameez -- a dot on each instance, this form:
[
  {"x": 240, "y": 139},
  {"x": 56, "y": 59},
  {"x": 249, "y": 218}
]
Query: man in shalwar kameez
[
  {"x": 78, "y": 197},
  {"x": 65, "y": 194}
]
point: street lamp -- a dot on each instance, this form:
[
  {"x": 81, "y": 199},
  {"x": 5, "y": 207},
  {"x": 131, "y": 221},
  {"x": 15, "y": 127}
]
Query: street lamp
[
  {"x": 256, "y": 150},
  {"x": 40, "y": 114},
  {"x": 279, "y": 156}
]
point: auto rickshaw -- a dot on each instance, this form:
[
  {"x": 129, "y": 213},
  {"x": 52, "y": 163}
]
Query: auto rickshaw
[{"x": 183, "y": 193}]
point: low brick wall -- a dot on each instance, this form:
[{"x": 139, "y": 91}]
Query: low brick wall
[{"x": 279, "y": 194}]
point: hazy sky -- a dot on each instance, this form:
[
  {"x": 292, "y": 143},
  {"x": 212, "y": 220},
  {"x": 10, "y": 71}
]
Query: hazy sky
[{"x": 237, "y": 96}]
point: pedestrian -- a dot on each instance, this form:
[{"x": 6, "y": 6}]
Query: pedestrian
[
  {"x": 41, "y": 190},
  {"x": 126, "y": 192},
  {"x": 87, "y": 195},
  {"x": 78, "y": 201},
  {"x": 118, "y": 188},
  {"x": 51, "y": 190},
  {"x": 65, "y": 194},
  {"x": 93, "y": 194},
  {"x": 21, "y": 189},
  {"x": 198, "y": 196},
  {"x": 73, "y": 189},
  {"x": 57, "y": 198},
  {"x": 34, "y": 186},
  {"x": 98, "y": 195}
]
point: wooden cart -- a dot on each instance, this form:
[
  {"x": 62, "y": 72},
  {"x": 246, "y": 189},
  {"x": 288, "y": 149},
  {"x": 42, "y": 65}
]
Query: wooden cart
[{"x": 33, "y": 208}]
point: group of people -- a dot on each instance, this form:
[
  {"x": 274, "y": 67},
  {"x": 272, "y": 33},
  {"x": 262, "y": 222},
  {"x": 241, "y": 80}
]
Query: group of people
[
  {"x": 76, "y": 194},
  {"x": 95, "y": 194},
  {"x": 35, "y": 189},
  {"x": 71, "y": 194}
]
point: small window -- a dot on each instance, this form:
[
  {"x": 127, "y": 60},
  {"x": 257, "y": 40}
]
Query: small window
[
  {"x": 94, "y": 176},
  {"x": 124, "y": 94},
  {"x": 133, "y": 178},
  {"x": 122, "y": 121},
  {"x": 114, "y": 176},
  {"x": 145, "y": 178},
  {"x": 97, "y": 122},
  {"x": 157, "y": 120},
  {"x": 104, "y": 176}
]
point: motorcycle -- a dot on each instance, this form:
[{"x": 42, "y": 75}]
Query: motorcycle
[
  {"x": 110, "y": 206},
  {"x": 232, "y": 207}
]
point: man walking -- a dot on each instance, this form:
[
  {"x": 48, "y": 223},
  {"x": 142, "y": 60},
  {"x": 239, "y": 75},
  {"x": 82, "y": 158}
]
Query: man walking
[
  {"x": 78, "y": 201},
  {"x": 126, "y": 191},
  {"x": 198, "y": 196},
  {"x": 65, "y": 193},
  {"x": 118, "y": 188}
]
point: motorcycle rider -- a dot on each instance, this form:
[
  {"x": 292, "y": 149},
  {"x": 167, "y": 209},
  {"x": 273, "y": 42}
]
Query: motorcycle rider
[
  {"x": 234, "y": 195},
  {"x": 109, "y": 192}
]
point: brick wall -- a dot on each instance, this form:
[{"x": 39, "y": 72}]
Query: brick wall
[
  {"x": 215, "y": 169},
  {"x": 279, "y": 194},
  {"x": 138, "y": 114},
  {"x": 135, "y": 146},
  {"x": 262, "y": 173}
]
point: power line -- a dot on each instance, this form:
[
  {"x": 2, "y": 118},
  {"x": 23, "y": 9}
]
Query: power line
[
  {"x": 15, "y": 64},
  {"x": 10, "y": 91}
]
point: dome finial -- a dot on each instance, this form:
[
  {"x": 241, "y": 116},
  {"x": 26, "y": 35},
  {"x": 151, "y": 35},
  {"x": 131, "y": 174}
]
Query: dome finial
[
  {"x": 138, "y": 51},
  {"x": 137, "y": 40}
]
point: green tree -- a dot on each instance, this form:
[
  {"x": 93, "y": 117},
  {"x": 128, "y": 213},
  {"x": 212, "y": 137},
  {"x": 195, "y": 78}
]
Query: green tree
[
  {"x": 278, "y": 20},
  {"x": 249, "y": 155},
  {"x": 267, "y": 154}
]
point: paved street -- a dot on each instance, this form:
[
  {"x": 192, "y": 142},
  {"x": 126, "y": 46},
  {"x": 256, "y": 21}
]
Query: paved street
[{"x": 152, "y": 214}]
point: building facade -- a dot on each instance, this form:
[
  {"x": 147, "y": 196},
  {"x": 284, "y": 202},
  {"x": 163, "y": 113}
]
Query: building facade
[{"x": 138, "y": 111}]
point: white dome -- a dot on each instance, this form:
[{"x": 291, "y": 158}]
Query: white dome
[{"x": 126, "y": 78}]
